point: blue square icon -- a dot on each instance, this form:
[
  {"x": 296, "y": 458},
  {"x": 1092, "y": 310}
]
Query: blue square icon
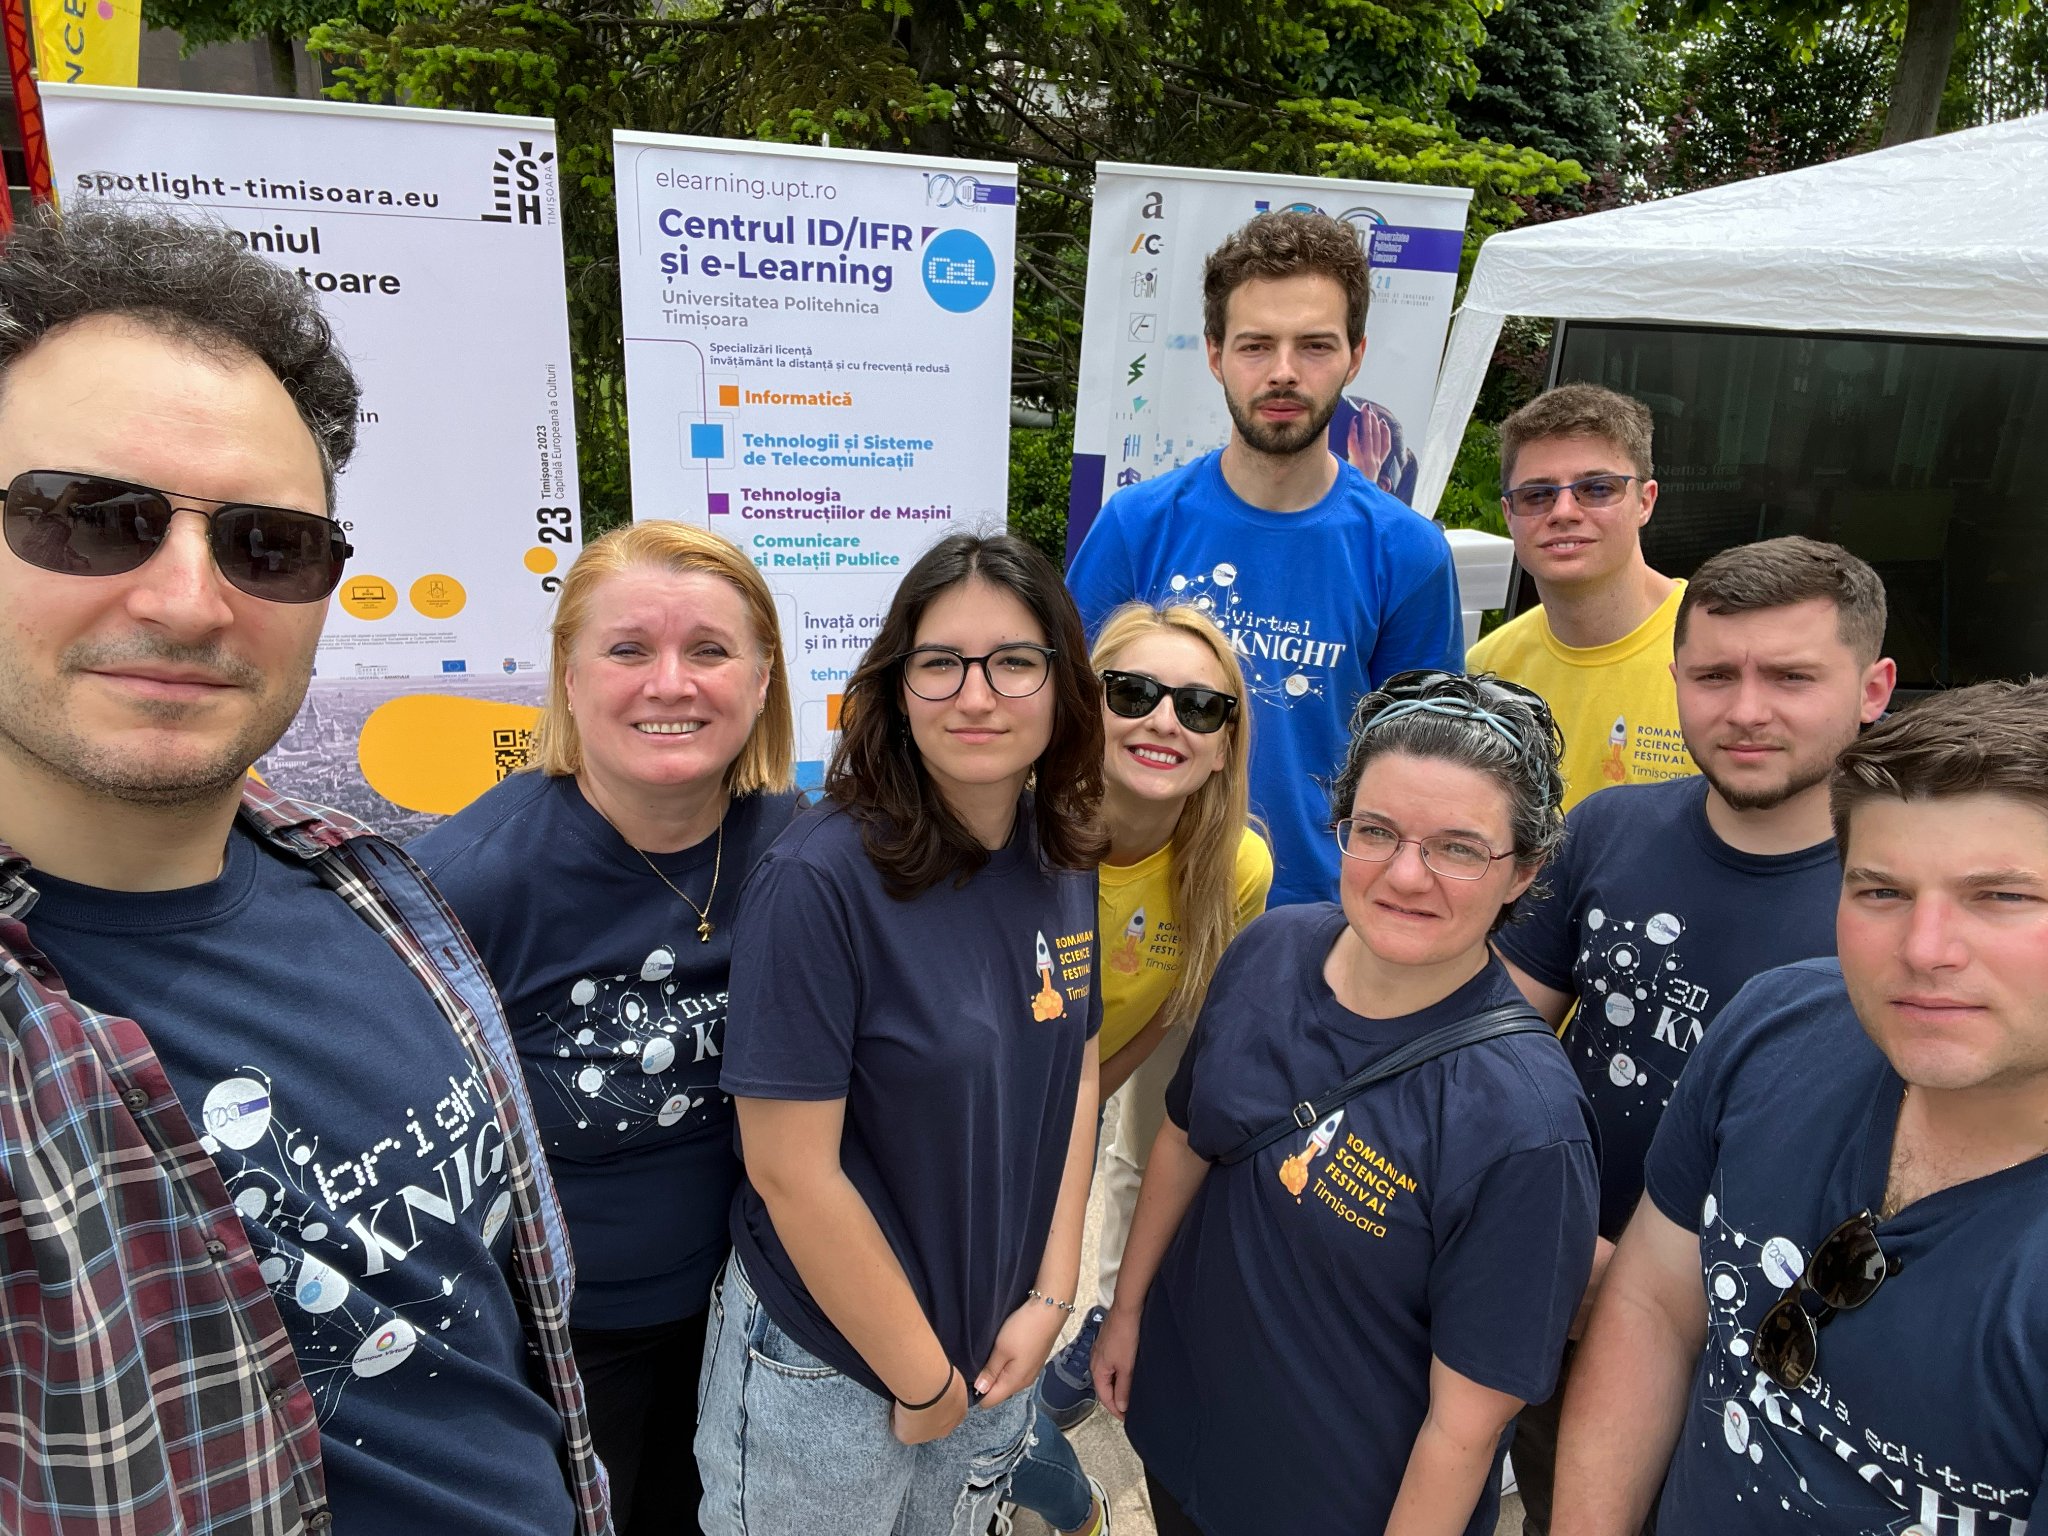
[{"x": 707, "y": 439}]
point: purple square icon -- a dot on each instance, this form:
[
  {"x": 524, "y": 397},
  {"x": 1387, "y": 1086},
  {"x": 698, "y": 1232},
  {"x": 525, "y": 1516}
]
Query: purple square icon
[{"x": 721, "y": 503}]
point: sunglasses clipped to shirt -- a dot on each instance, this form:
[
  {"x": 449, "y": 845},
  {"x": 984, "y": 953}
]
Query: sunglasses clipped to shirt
[
  {"x": 1134, "y": 696},
  {"x": 1845, "y": 1272},
  {"x": 92, "y": 525}
]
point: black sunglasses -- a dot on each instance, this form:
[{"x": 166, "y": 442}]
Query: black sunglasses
[
  {"x": 92, "y": 525},
  {"x": 1134, "y": 696},
  {"x": 1844, "y": 1273}
]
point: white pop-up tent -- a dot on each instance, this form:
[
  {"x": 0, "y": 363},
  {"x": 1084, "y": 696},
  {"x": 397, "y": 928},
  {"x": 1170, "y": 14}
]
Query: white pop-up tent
[{"x": 1945, "y": 237}]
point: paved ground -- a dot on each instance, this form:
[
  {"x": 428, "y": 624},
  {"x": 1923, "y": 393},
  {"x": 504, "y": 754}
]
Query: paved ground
[{"x": 1108, "y": 1455}]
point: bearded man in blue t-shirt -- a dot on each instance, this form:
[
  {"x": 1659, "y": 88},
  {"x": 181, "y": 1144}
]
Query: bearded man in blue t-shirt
[
  {"x": 1325, "y": 584},
  {"x": 1669, "y": 896},
  {"x": 1828, "y": 1315}
]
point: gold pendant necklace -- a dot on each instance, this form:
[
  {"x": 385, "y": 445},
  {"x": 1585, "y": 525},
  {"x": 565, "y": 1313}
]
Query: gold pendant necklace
[
  {"x": 704, "y": 925},
  {"x": 703, "y": 912}
]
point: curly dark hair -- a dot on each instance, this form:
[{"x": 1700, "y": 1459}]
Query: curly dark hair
[
  {"x": 1288, "y": 244},
  {"x": 1482, "y": 722},
  {"x": 877, "y": 773},
  {"x": 187, "y": 280}
]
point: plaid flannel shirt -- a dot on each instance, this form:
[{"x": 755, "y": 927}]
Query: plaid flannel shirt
[{"x": 147, "y": 1384}]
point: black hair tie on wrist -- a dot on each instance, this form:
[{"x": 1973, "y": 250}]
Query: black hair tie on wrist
[{"x": 936, "y": 1398}]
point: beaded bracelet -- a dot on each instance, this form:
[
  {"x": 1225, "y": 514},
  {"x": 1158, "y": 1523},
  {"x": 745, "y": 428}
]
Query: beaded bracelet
[{"x": 1065, "y": 1306}]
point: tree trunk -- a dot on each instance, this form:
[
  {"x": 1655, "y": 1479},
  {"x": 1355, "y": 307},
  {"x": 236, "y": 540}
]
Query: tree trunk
[
  {"x": 284, "y": 68},
  {"x": 932, "y": 39},
  {"x": 1924, "y": 57}
]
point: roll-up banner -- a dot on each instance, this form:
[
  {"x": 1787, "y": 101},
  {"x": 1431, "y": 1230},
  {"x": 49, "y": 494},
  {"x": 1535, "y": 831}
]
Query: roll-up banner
[
  {"x": 1147, "y": 402},
  {"x": 818, "y": 368},
  {"x": 433, "y": 242}
]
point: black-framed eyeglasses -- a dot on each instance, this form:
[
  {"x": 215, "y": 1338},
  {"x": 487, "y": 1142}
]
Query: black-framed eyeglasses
[
  {"x": 1134, "y": 696},
  {"x": 93, "y": 525},
  {"x": 1844, "y": 1272},
  {"x": 1596, "y": 493},
  {"x": 935, "y": 673},
  {"x": 1453, "y": 857}
]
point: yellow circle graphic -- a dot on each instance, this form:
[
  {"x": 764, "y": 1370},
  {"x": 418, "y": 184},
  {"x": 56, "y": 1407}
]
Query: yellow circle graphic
[
  {"x": 368, "y": 597},
  {"x": 540, "y": 560},
  {"x": 438, "y": 596}
]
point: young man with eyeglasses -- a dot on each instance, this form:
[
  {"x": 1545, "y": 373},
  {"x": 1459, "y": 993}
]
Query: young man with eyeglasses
[
  {"x": 1325, "y": 585},
  {"x": 1667, "y": 898},
  {"x": 1829, "y": 1314},
  {"x": 1576, "y": 487},
  {"x": 278, "y": 1252}
]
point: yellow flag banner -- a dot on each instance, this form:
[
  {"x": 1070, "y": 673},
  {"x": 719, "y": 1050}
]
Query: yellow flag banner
[{"x": 88, "y": 42}]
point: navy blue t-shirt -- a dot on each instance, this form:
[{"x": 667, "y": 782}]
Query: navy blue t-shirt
[
  {"x": 1928, "y": 1405},
  {"x": 1653, "y": 923},
  {"x": 618, "y": 1011},
  {"x": 1283, "y": 1360},
  {"x": 953, "y": 1025},
  {"x": 357, "y": 1141}
]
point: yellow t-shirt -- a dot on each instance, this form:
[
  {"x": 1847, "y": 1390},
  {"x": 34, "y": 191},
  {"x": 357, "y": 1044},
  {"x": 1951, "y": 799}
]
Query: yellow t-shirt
[
  {"x": 1141, "y": 942},
  {"x": 1615, "y": 703}
]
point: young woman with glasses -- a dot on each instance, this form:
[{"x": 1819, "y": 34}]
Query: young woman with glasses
[
  {"x": 1335, "y": 1297},
  {"x": 913, "y": 1006},
  {"x": 1185, "y": 871}
]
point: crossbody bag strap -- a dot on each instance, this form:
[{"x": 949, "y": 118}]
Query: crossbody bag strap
[{"x": 1507, "y": 1019}]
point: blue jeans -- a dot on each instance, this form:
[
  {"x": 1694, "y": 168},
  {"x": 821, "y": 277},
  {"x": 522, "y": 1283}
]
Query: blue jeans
[
  {"x": 788, "y": 1446},
  {"x": 1049, "y": 1481}
]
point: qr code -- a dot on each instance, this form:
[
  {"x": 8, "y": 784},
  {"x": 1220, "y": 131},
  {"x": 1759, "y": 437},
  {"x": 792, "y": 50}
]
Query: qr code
[{"x": 509, "y": 751}]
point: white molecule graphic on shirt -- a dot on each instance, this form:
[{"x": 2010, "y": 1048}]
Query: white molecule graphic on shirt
[
  {"x": 1638, "y": 1013},
  {"x": 1763, "y": 1424},
  {"x": 324, "y": 1221},
  {"x": 1283, "y": 661},
  {"x": 629, "y": 1032}
]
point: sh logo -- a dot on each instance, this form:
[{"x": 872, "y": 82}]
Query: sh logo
[{"x": 516, "y": 184}]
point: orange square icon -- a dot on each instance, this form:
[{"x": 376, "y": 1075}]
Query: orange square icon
[
  {"x": 728, "y": 394},
  {"x": 832, "y": 703}
]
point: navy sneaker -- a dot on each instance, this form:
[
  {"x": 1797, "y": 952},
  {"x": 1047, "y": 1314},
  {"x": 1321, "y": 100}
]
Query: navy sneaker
[{"x": 1066, "y": 1388}]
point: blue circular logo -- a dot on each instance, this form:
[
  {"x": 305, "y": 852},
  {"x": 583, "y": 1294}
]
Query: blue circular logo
[{"x": 959, "y": 270}]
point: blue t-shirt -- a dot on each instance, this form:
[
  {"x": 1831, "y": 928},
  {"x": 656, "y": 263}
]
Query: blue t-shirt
[
  {"x": 1283, "y": 1360},
  {"x": 357, "y": 1141},
  {"x": 1928, "y": 1405},
  {"x": 618, "y": 1011},
  {"x": 1653, "y": 923},
  {"x": 953, "y": 1025},
  {"x": 1321, "y": 606}
]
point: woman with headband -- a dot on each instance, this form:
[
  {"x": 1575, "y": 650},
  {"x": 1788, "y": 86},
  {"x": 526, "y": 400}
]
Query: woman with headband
[{"x": 1369, "y": 1218}]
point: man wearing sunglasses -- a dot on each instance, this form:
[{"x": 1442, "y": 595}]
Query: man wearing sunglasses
[
  {"x": 1829, "y": 1314},
  {"x": 1325, "y": 585},
  {"x": 1576, "y": 490},
  {"x": 1668, "y": 897},
  {"x": 277, "y": 1248}
]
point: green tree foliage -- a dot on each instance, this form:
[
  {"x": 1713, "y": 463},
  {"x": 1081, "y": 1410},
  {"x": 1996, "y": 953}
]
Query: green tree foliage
[
  {"x": 275, "y": 22},
  {"x": 1326, "y": 87},
  {"x": 1931, "y": 48},
  {"x": 1558, "y": 77}
]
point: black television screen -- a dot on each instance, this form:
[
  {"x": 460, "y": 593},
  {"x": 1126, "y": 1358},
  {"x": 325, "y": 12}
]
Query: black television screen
[{"x": 1929, "y": 458}]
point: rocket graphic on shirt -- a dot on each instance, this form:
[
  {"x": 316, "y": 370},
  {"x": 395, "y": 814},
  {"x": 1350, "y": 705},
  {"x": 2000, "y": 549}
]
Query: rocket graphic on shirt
[
  {"x": 1612, "y": 766},
  {"x": 1048, "y": 1004},
  {"x": 1126, "y": 957},
  {"x": 1294, "y": 1171}
]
